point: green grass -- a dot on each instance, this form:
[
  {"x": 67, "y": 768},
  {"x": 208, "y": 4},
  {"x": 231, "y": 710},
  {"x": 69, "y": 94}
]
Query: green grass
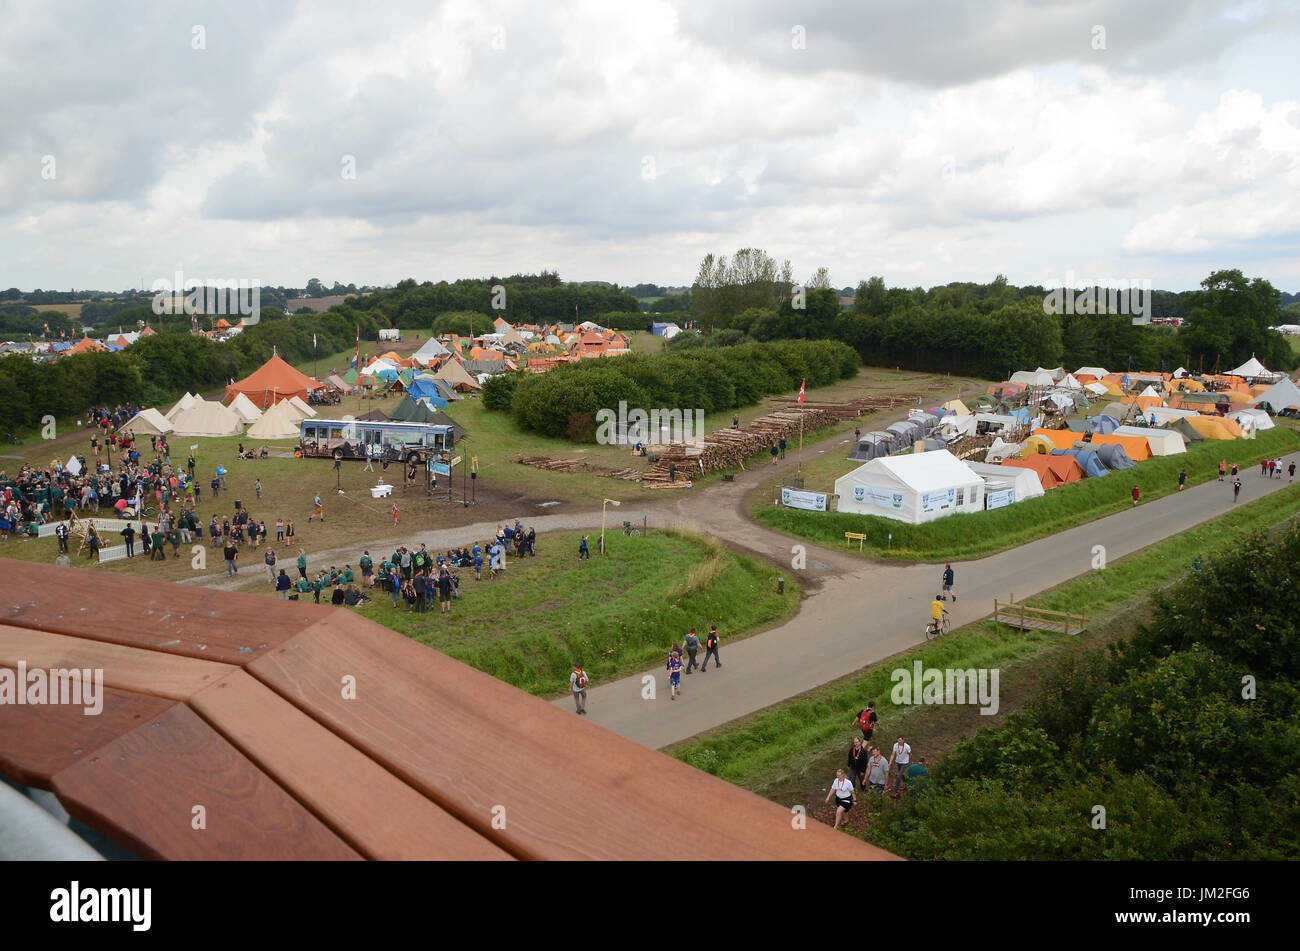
[
  {"x": 615, "y": 615},
  {"x": 976, "y": 534},
  {"x": 793, "y": 741}
]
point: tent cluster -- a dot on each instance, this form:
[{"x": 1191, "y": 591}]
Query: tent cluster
[{"x": 935, "y": 428}]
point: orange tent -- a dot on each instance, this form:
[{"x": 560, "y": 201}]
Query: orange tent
[
  {"x": 1137, "y": 447},
  {"x": 1060, "y": 438},
  {"x": 1146, "y": 402},
  {"x": 1085, "y": 378},
  {"x": 1052, "y": 470},
  {"x": 1215, "y": 427},
  {"x": 273, "y": 381}
]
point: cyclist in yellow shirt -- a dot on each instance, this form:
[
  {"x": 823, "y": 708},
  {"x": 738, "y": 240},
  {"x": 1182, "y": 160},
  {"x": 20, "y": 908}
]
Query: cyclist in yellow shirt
[{"x": 937, "y": 611}]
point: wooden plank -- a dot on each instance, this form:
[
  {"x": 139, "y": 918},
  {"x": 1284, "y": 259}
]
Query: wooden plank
[
  {"x": 141, "y": 790},
  {"x": 562, "y": 787},
  {"x": 368, "y": 807},
  {"x": 188, "y": 620},
  {"x": 38, "y": 741},
  {"x": 126, "y": 668}
]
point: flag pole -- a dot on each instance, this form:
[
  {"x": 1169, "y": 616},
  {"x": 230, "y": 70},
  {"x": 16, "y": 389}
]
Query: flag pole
[{"x": 802, "y": 383}]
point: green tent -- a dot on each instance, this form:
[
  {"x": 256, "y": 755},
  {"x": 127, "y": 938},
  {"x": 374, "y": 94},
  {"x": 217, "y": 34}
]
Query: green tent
[{"x": 411, "y": 410}]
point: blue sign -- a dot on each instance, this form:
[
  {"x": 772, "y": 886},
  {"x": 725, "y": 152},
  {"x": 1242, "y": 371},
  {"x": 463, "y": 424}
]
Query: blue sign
[{"x": 440, "y": 468}]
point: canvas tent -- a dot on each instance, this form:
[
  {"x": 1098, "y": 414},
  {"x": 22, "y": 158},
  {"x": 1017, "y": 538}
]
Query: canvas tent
[
  {"x": 148, "y": 422},
  {"x": 956, "y": 406},
  {"x": 276, "y": 423},
  {"x": 1032, "y": 378},
  {"x": 338, "y": 383},
  {"x": 912, "y": 488},
  {"x": 301, "y": 405},
  {"x": 411, "y": 410},
  {"x": 1096, "y": 389},
  {"x": 457, "y": 376},
  {"x": 1183, "y": 426},
  {"x": 1023, "y": 483},
  {"x": 1281, "y": 396},
  {"x": 1097, "y": 372},
  {"x": 273, "y": 380},
  {"x": 242, "y": 405},
  {"x": 1059, "y": 438},
  {"x": 1162, "y": 442},
  {"x": 1214, "y": 427},
  {"x": 1256, "y": 418},
  {"x": 1052, "y": 471},
  {"x": 206, "y": 418},
  {"x": 1087, "y": 460},
  {"x": 430, "y": 352},
  {"x": 1164, "y": 415},
  {"x": 291, "y": 410},
  {"x": 871, "y": 445},
  {"x": 1252, "y": 369},
  {"x": 182, "y": 404}
]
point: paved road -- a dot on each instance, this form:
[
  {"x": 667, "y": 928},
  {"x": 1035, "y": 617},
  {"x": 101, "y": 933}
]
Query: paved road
[{"x": 863, "y": 615}]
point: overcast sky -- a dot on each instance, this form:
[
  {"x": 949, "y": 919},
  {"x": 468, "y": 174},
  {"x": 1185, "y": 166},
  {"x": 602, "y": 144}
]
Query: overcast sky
[{"x": 923, "y": 141}]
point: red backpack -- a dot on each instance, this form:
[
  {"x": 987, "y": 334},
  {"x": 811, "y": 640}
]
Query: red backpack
[
  {"x": 864, "y": 720},
  {"x": 582, "y": 679}
]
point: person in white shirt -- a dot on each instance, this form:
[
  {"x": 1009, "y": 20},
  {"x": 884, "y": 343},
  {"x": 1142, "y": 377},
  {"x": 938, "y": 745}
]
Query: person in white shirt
[
  {"x": 845, "y": 797},
  {"x": 899, "y": 760}
]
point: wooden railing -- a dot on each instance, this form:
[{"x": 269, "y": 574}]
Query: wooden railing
[{"x": 1028, "y": 617}]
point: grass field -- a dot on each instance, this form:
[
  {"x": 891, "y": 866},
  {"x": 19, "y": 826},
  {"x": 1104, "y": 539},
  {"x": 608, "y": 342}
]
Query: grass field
[
  {"x": 976, "y": 534},
  {"x": 615, "y": 614},
  {"x": 802, "y": 741}
]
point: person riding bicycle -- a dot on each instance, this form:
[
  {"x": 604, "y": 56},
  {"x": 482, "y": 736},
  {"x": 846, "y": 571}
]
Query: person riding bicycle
[{"x": 937, "y": 613}]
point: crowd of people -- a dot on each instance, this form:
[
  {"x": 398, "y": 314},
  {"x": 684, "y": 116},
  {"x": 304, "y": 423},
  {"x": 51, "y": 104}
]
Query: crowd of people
[{"x": 868, "y": 769}]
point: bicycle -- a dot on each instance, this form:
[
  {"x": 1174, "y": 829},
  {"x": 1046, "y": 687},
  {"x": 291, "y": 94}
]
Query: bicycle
[
  {"x": 938, "y": 628},
  {"x": 629, "y": 530}
]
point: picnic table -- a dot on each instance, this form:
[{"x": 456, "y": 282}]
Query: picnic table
[{"x": 310, "y": 732}]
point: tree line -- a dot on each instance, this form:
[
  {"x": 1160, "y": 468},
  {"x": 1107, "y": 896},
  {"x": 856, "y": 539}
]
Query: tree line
[{"x": 564, "y": 401}]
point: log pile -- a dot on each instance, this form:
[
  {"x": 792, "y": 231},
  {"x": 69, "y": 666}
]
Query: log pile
[
  {"x": 728, "y": 448},
  {"x": 856, "y": 408},
  {"x": 576, "y": 465}
]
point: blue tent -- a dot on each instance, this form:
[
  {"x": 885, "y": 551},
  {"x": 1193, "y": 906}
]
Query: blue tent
[
  {"x": 1088, "y": 461},
  {"x": 1104, "y": 425},
  {"x": 427, "y": 390}
]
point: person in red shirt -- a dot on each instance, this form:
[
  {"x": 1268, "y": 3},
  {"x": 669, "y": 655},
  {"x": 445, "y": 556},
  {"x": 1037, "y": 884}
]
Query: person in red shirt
[
  {"x": 1137, "y": 495},
  {"x": 394, "y": 514}
]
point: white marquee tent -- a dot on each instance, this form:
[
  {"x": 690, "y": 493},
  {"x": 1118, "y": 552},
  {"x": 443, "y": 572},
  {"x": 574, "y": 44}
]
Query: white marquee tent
[
  {"x": 246, "y": 408},
  {"x": 207, "y": 418},
  {"x": 278, "y": 422},
  {"x": 1281, "y": 395},
  {"x": 1022, "y": 483},
  {"x": 148, "y": 422},
  {"x": 912, "y": 488},
  {"x": 181, "y": 405},
  {"x": 301, "y": 406}
]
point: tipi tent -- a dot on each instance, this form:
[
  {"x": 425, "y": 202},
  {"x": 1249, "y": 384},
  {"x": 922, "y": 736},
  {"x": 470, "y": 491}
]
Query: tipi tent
[
  {"x": 274, "y": 380},
  {"x": 1150, "y": 391},
  {"x": 182, "y": 404},
  {"x": 1068, "y": 382},
  {"x": 411, "y": 410},
  {"x": 1280, "y": 397},
  {"x": 206, "y": 418},
  {"x": 1252, "y": 369},
  {"x": 148, "y": 422},
  {"x": 276, "y": 423},
  {"x": 457, "y": 376},
  {"x": 242, "y": 405},
  {"x": 301, "y": 406},
  {"x": 292, "y": 411},
  {"x": 430, "y": 352},
  {"x": 912, "y": 488}
]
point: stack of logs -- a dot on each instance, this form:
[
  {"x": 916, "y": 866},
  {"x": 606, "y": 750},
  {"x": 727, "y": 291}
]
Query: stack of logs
[
  {"x": 863, "y": 404},
  {"x": 575, "y": 465}
]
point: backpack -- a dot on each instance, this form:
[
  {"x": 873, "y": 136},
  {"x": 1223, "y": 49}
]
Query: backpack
[
  {"x": 582, "y": 680},
  {"x": 864, "y": 720}
]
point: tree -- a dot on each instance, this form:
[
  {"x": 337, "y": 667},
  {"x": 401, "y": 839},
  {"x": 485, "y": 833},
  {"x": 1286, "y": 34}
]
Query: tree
[{"x": 1232, "y": 319}]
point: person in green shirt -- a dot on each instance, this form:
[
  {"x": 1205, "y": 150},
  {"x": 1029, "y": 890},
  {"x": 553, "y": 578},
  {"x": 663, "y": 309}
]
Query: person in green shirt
[
  {"x": 174, "y": 536},
  {"x": 917, "y": 769},
  {"x": 348, "y": 575},
  {"x": 317, "y": 586},
  {"x": 302, "y": 564}
]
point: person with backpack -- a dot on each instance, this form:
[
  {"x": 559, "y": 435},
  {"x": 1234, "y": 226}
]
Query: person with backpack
[
  {"x": 866, "y": 720},
  {"x": 583, "y": 550},
  {"x": 858, "y": 756},
  {"x": 674, "y": 668},
  {"x": 711, "y": 649},
  {"x": 578, "y": 681},
  {"x": 692, "y": 645}
]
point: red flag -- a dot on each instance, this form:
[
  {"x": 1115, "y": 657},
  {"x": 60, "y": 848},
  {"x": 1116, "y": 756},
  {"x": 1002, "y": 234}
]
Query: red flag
[{"x": 801, "y": 383}]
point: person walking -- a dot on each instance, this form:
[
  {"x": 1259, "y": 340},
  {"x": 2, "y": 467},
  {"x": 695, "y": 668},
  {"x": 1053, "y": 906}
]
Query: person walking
[
  {"x": 583, "y": 550},
  {"x": 775, "y": 450},
  {"x": 370, "y": 458},
  {"x": 129, "y": 534},
  {"x": 270, "y": 560},
  {"x": 279, "y": 529},
  {"x": 782, "y": 446},
  {"x": 857, "y": 763},
  {"x": 1182, "y": 479},
  {"x": 877, "y": 771},
  {"x": 318, "y": 509},
  {"x": 692, "y": 645},
  {"x": 899, "y": 760},
  {"x": 1277, "y": 465},
  {"x": 845, "y": 796},
  {"x": 866, "y": 720},
  {"x": 1223, "y": 469},
  {"x": 302, "y": 563},
  {"x": 578, "y": 683},
  {"x": 1137, "y": 495},
  {"x": 1236, "y": 470},
  {"x": 288, "y": 531},
  {"x": 1263, "y": 467},
  {"x": 674, "y": 668},
  {"x": 947, "y": 582},
  {"x": 230, "y": 552},
  {"x": 1291, "y": 472},
  {"x": 283, "y": 584},
  {"x": 394, "y": 515},
  {"x": 711, "y": 649},
  {"x": 1236, "y": 489},
  {"x": 444, "y": 590},
  {"x": 257, "y": 487}
]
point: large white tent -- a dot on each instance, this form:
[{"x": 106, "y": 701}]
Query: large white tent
[
  {"x": 1280, "y": 396},
  {"x": 291, "y": 410},
  {"x": 1032, "y": 378},
  {"x": 1252, "y": 369},
  {"x": 1163, "y": 442},
  {"x": 1098, "y": 372},
  {"x": 302, "y": 406},
  {"x": 1254, "y": 418},
  {"x": 278, "y": 422},
  {"x": 206, "y": 418},
  {"x": 246, "y": 408},
  {"x": 1021, "y": 483},
  {"x": 431, "y": 351},
  {"x": 148, "y": 422},
  {"x": 181, "y": 405},
  {"x": 912, "y": 488}
]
